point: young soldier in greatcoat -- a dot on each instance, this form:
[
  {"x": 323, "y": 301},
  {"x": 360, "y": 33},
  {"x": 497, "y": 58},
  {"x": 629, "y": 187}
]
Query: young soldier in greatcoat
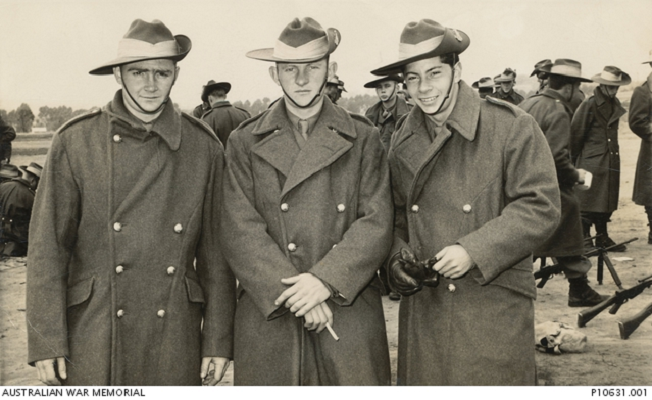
[
  {"x": 126, "y": 284},
  {"x": 389, "y": 109},
  {"x": 594, "y": 147},
  {"x": 307, "y": 223},
  {"x": 506, "y": 91},
  {"x": 222, "y": 117},
  {"x": 640, "y": 122},
  {"x": 474, "y": 192},
  {"x": 552, "y": 111}
]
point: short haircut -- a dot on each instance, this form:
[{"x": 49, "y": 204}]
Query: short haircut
[
  {"x": 557, "y": 82},
  {"x": 217, "y": 92},
  {"x": 448, "y": 58}
]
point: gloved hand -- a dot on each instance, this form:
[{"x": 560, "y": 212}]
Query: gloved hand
[{"x": 407, "y": 275}]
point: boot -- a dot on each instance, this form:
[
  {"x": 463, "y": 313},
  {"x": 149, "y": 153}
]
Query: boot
[
  {"x": 580, "y": 294},
  {"x": 586, "y": 230},
  {"x": 604, "y": 240}
]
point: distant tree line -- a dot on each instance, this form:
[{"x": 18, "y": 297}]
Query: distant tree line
[
  {"x": 22, "y": 118},
  {"x": 357, "y": 104}
]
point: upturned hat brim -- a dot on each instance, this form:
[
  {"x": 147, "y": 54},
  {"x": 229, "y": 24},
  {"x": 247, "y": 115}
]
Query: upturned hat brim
[
  {"x": 184, "y": 42},
  {"x": 267, "y": 54},
  {"x": 226, "y": 86},
  {"x": 548, "y": 68},
  {"x": 373, "y": 84},
  {"x": 451, "y": 43},
  {"x": 625, "y": 80}
]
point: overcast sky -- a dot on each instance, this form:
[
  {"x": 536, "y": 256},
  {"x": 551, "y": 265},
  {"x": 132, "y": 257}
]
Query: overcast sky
[{"x": 48, "y": 46}]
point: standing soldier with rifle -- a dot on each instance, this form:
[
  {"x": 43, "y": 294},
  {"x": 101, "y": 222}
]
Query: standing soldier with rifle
[
  {"x": 640, "y": 122},
  {"x": 552, "y": 110}
]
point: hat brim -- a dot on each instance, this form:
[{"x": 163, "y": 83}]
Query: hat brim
[
  {"x": 626, "y": 80},
  {"x": 107, "y": 68},
  {"x": 449, "y": 44},
  {"x": 503, "y": 80},
  {"x": 373, "y": 84},
  {"x": 268, "y": 54},
  {"x": 547, "y": 69},
  {"x": 219, "y": 85}
]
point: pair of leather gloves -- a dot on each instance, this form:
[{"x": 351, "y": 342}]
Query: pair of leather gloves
[{"x": 407, "y": 275}]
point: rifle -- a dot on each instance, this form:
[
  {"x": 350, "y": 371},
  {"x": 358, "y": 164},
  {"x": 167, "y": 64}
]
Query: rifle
[
  {"x": 603, "y": 258},
  {"x": 545, "y": 272},
  {"x": 628, "y": 325},
  {"x": 615, "y": 301}
]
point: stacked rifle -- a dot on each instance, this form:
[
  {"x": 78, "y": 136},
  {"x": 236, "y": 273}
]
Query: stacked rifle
[{"x": 626, "y": 326}]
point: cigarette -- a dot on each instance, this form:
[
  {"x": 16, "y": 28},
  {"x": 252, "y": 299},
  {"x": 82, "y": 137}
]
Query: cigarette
[{"x": 330, "y": 329}]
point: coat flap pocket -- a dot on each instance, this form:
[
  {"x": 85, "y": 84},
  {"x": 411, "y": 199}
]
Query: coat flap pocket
[
  {"x": 79, "y": 292},
  {"x": 195, "y": 292}
]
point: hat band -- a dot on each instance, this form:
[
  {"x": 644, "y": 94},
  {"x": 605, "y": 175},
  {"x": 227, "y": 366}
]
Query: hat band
[
  {"x": 406, "y": 50},
  {"x": 140, "y": 48},
  {"x": 608, "y": 76},
  {"x": 566, "y": 70},
  {"x": 312, "y": 49}
]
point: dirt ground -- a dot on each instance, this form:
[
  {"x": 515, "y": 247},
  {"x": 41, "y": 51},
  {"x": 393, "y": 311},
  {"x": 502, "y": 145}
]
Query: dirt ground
[{"x": 608, "y": 361}]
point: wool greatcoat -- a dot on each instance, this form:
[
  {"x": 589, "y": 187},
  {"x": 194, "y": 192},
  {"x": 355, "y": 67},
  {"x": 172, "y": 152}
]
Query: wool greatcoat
[
  {"x": 323, "y": 209},
  {"x": 640, "y": 122},
  {"x": 594, "y": 147},
  {"x": 223, "y": 118},
  {"x": 387, "y": 126},
  {"x": 553, "y": 114},
  {"x": 486, "y": 182},
  {"x": 124, "y": 258}
]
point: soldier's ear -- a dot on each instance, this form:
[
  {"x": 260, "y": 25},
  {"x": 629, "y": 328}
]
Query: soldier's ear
[
  {"x": 273, "y": 73},
  {"x": 332, "y": 69},
  {"x": 176, "y": 74},
  {"x": 117, "y": 75},
  {"x": 457, "y": 72}
]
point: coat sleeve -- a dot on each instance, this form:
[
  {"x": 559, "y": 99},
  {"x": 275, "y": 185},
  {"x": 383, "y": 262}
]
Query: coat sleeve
[
  {"x": 580, "y": 125},
  {"x": 52, "y": 237},
  {"x": 401, "y": 237},
  {"x": 639, "y": 113},
  {"x": 532, "y": 207},
  {"x": 351, "y": 265},
  {"x": 557, "y": 134},
  {"x": 256, "y": 259},
  {"x": 215, "y": 276}
]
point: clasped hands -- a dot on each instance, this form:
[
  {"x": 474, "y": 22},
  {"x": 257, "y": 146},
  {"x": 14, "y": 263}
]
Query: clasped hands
[
  {"x": 407, "y": 275},
  {"x": 306, "y": 297}
]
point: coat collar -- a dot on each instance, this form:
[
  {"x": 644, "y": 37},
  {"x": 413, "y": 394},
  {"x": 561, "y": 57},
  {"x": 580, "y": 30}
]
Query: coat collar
[
  {"x": 328, "y": 141},
  {"x": 222, "y": 103},
  {"x": 602, "y": 103},
  {"x": 167, "y": 125}
]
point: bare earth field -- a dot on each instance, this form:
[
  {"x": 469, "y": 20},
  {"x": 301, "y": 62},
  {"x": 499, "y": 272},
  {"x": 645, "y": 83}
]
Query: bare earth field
[{"x": 609, "y": 361}]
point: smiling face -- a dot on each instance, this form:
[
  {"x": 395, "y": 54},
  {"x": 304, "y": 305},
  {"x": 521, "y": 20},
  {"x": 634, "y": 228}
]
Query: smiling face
[
  {"x": 428, "y": 82},
  {"x": 301, "y": 81},
  {"x": 149, "y": 82},
  {"x": 386, "y": 91}
]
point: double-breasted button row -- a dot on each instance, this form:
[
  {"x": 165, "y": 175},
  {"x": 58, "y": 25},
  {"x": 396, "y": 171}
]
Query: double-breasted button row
[
  {"x": 285, "y": 207},
  {"x": 121, "y": 313}
]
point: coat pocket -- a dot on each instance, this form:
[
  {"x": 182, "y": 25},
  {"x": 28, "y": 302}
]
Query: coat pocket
[
  {"x": 79, "y": 292},
  {"x": 195, "y": 292}
]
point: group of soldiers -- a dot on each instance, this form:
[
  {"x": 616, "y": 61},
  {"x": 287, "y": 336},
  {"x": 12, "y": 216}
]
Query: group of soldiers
[{"x": 159, "y": 252}]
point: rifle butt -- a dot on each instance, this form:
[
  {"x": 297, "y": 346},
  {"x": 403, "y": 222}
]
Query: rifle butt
[
  {"x": 584, "y": 316},
  {"x": 628, "y": 325}
]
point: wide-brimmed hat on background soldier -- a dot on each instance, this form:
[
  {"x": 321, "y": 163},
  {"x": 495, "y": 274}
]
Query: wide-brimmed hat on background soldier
[
  {"x": 212, "y": 85},
  {"x": 147, "y": 41},
  {"x": 485, "y": 82},
  {"x": 376, "y": 82},
  {"x": 301, "y": 41},
  {"x": 567, "y": 68},
  {"x": 425, "y": 39},
  {"x": 541, "y": 64},
  {"x": 612, "y": 76}
]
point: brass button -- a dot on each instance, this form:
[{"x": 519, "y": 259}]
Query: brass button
[
  {"x": 170, "y": 270},
  {"x": 119, "y": 269},
  {"x": 466, "y": 208},
  {"x": 178, "y": 228},
  {"x": 285, "y": 207},
  {"x": 117, "y": 226},
  {"x": 415, "y": 208},
  {"x": 335, "y": 245},
  {"x": 161, "y": 313},
  {"x": 451, "y": 288},
  {"x": 292, "y": 247},
  {"x": 120, "y": 313},
  {"x": 117, "y": 138},
  {"x": 341, "y": 208}
]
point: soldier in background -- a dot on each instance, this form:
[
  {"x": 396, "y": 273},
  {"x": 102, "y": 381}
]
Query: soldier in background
[
  {"x": 334, "y": 88},
  {"x": 8, "y": 172},
  {"x": 542, "y": 76},
  {"x": 7, "y": 134},
  {"x": 485, "y": 86},
  {"x": 506, "y": 80},
  {"x": 16, "y": 202},
  {"x": 640, "y": 122},
  {"x": 389, "y": 109},
  {"x": 594, "y": 147},
  {"x": 223, "y": 117},
  {"x": 552, "y": 111}
]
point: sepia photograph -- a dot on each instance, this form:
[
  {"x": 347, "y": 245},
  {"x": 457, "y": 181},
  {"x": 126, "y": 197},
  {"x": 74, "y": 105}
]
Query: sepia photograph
[{"x": 438, "y": 195}]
